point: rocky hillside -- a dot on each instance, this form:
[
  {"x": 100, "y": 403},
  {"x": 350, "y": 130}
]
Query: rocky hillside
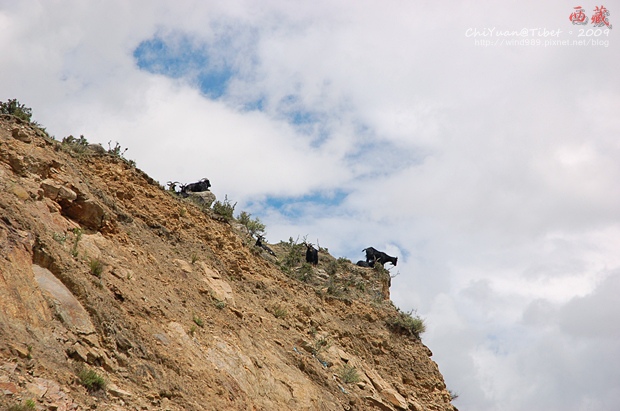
[{"x": 117, "y": 294}]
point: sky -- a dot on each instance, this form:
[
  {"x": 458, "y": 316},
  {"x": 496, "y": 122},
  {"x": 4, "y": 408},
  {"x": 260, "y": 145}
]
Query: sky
[{"x": 478, "y": 142}]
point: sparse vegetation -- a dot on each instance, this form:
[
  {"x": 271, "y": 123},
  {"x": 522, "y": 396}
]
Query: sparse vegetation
[
  {"x": 380, "y": 269},
  {"x": 198, "y": 321},
  {"x": 332, "y": 267},
  {"x": 319, "y": 345},
  {"x": 96, "y": 267},
  {"x": 305, "y": 272},
  {"x": 408, "y": 323},
  {"x": 15, "y": 108},
  {"x": 279, "y": 312},
  {"x": 194, "y": 258},
  {"x": 220, "y": 305},
  {"x": 28, "y": 405},
  {"x": 77, "y": 145},
  {"x": 77, "y": 232},
  {"x": 348, "y": 374},
  {"x": 224, "y": 209},
  {"x": 254, "y": 226},
  {"x": 91, "y": 380},
  {"x": 118, "y": 151},
  {"x": 60, "y": 237},
  {"x": 333, "y": 289},
  {"x": 293, "y": 256}
]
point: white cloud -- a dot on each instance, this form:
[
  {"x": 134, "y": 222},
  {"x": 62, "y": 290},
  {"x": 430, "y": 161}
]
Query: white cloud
[{"x": 490, "y": 171}]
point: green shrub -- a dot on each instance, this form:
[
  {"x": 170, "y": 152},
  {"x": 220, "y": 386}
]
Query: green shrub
[
  {"x": 15, "y": 108},
  {"x": 255, "y": 227},
  {"x": 408, "y": 323},
  {"x": 334, "y": 289},
  {"x": 332, "y": 267},
  {"x": 75, "y": 145},
  {"x": 279, "y": 311},
  {"x": 28, "y": 405},
  {"x": 224, "y": 209},
  {"x": 60, "y": 237},
  {"x": 293, "y": 256},
  {"x": 96, "y": 267},
  {"x": 348, "y": 374},
  {"x": 320, "y": 344},
  {"x": 91, "y": 380},
  {"x": 380, "y": 269},
  {"x": 305, "y": 272},
  {"x": 77, "y": 232},
  {"x": 198, "y": 321},
  {"x": 118, "y": 151}
]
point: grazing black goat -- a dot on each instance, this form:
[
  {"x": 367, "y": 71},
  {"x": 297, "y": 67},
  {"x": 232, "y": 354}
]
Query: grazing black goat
[
  {"x": 259, "y": 243},
  {"x": 312, "y": 254},
  {"x": 375, "y": 256}
]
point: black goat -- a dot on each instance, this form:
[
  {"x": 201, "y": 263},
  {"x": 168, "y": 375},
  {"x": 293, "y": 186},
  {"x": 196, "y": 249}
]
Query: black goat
[
  {"x": 373, "y": 255},
  {"x": 259, "y": 243},
  {"x": 202, "y": 185},
  {"x": 362, "y": 263},
  {"x": 312, "y": 254}
]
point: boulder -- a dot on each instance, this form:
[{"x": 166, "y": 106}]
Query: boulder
[
  {"x": 21, "y": 135},
  {"x": 87, "y": 212},
  {"x": 67, "y": 307},
  {"x": 220, "y": 289},
  {"x": 204, "y": 198}
]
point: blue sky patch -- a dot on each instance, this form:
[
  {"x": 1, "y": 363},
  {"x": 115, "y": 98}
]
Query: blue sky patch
[
  {"x": 384, "y": 157},
  {"x": 294, "y": 207},
  {"x": 179, "y": 57},
  {"x": 305, "y": 120},
  {"x": 211, "y": 66},
  {"x": 255, "y": 105}
]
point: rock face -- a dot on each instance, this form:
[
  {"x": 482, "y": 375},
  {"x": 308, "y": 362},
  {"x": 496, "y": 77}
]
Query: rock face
[
  {"x": 205, "y": 198},
  {"x": 67, "y": 308},
  {"x": 102, "y": 270}
]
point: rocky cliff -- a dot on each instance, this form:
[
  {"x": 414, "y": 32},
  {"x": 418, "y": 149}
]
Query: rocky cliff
[{"x": 117, "y": 294}]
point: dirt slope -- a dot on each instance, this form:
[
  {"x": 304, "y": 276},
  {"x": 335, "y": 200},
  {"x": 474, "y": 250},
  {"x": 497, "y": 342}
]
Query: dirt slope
[{"x": 102, "y": 269}]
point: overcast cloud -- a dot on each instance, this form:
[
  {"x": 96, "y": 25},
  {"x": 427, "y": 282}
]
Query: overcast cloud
[{"x": 491, "y": 171}]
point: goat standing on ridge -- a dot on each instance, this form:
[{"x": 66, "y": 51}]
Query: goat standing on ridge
[
  {"x": 375, "y": 256},
  {"x": 312, "y": 254}
]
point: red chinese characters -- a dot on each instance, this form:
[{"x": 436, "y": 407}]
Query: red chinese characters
[
  {"x": 578, "y": 16},
  {"x": 598, "y": 19}
]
